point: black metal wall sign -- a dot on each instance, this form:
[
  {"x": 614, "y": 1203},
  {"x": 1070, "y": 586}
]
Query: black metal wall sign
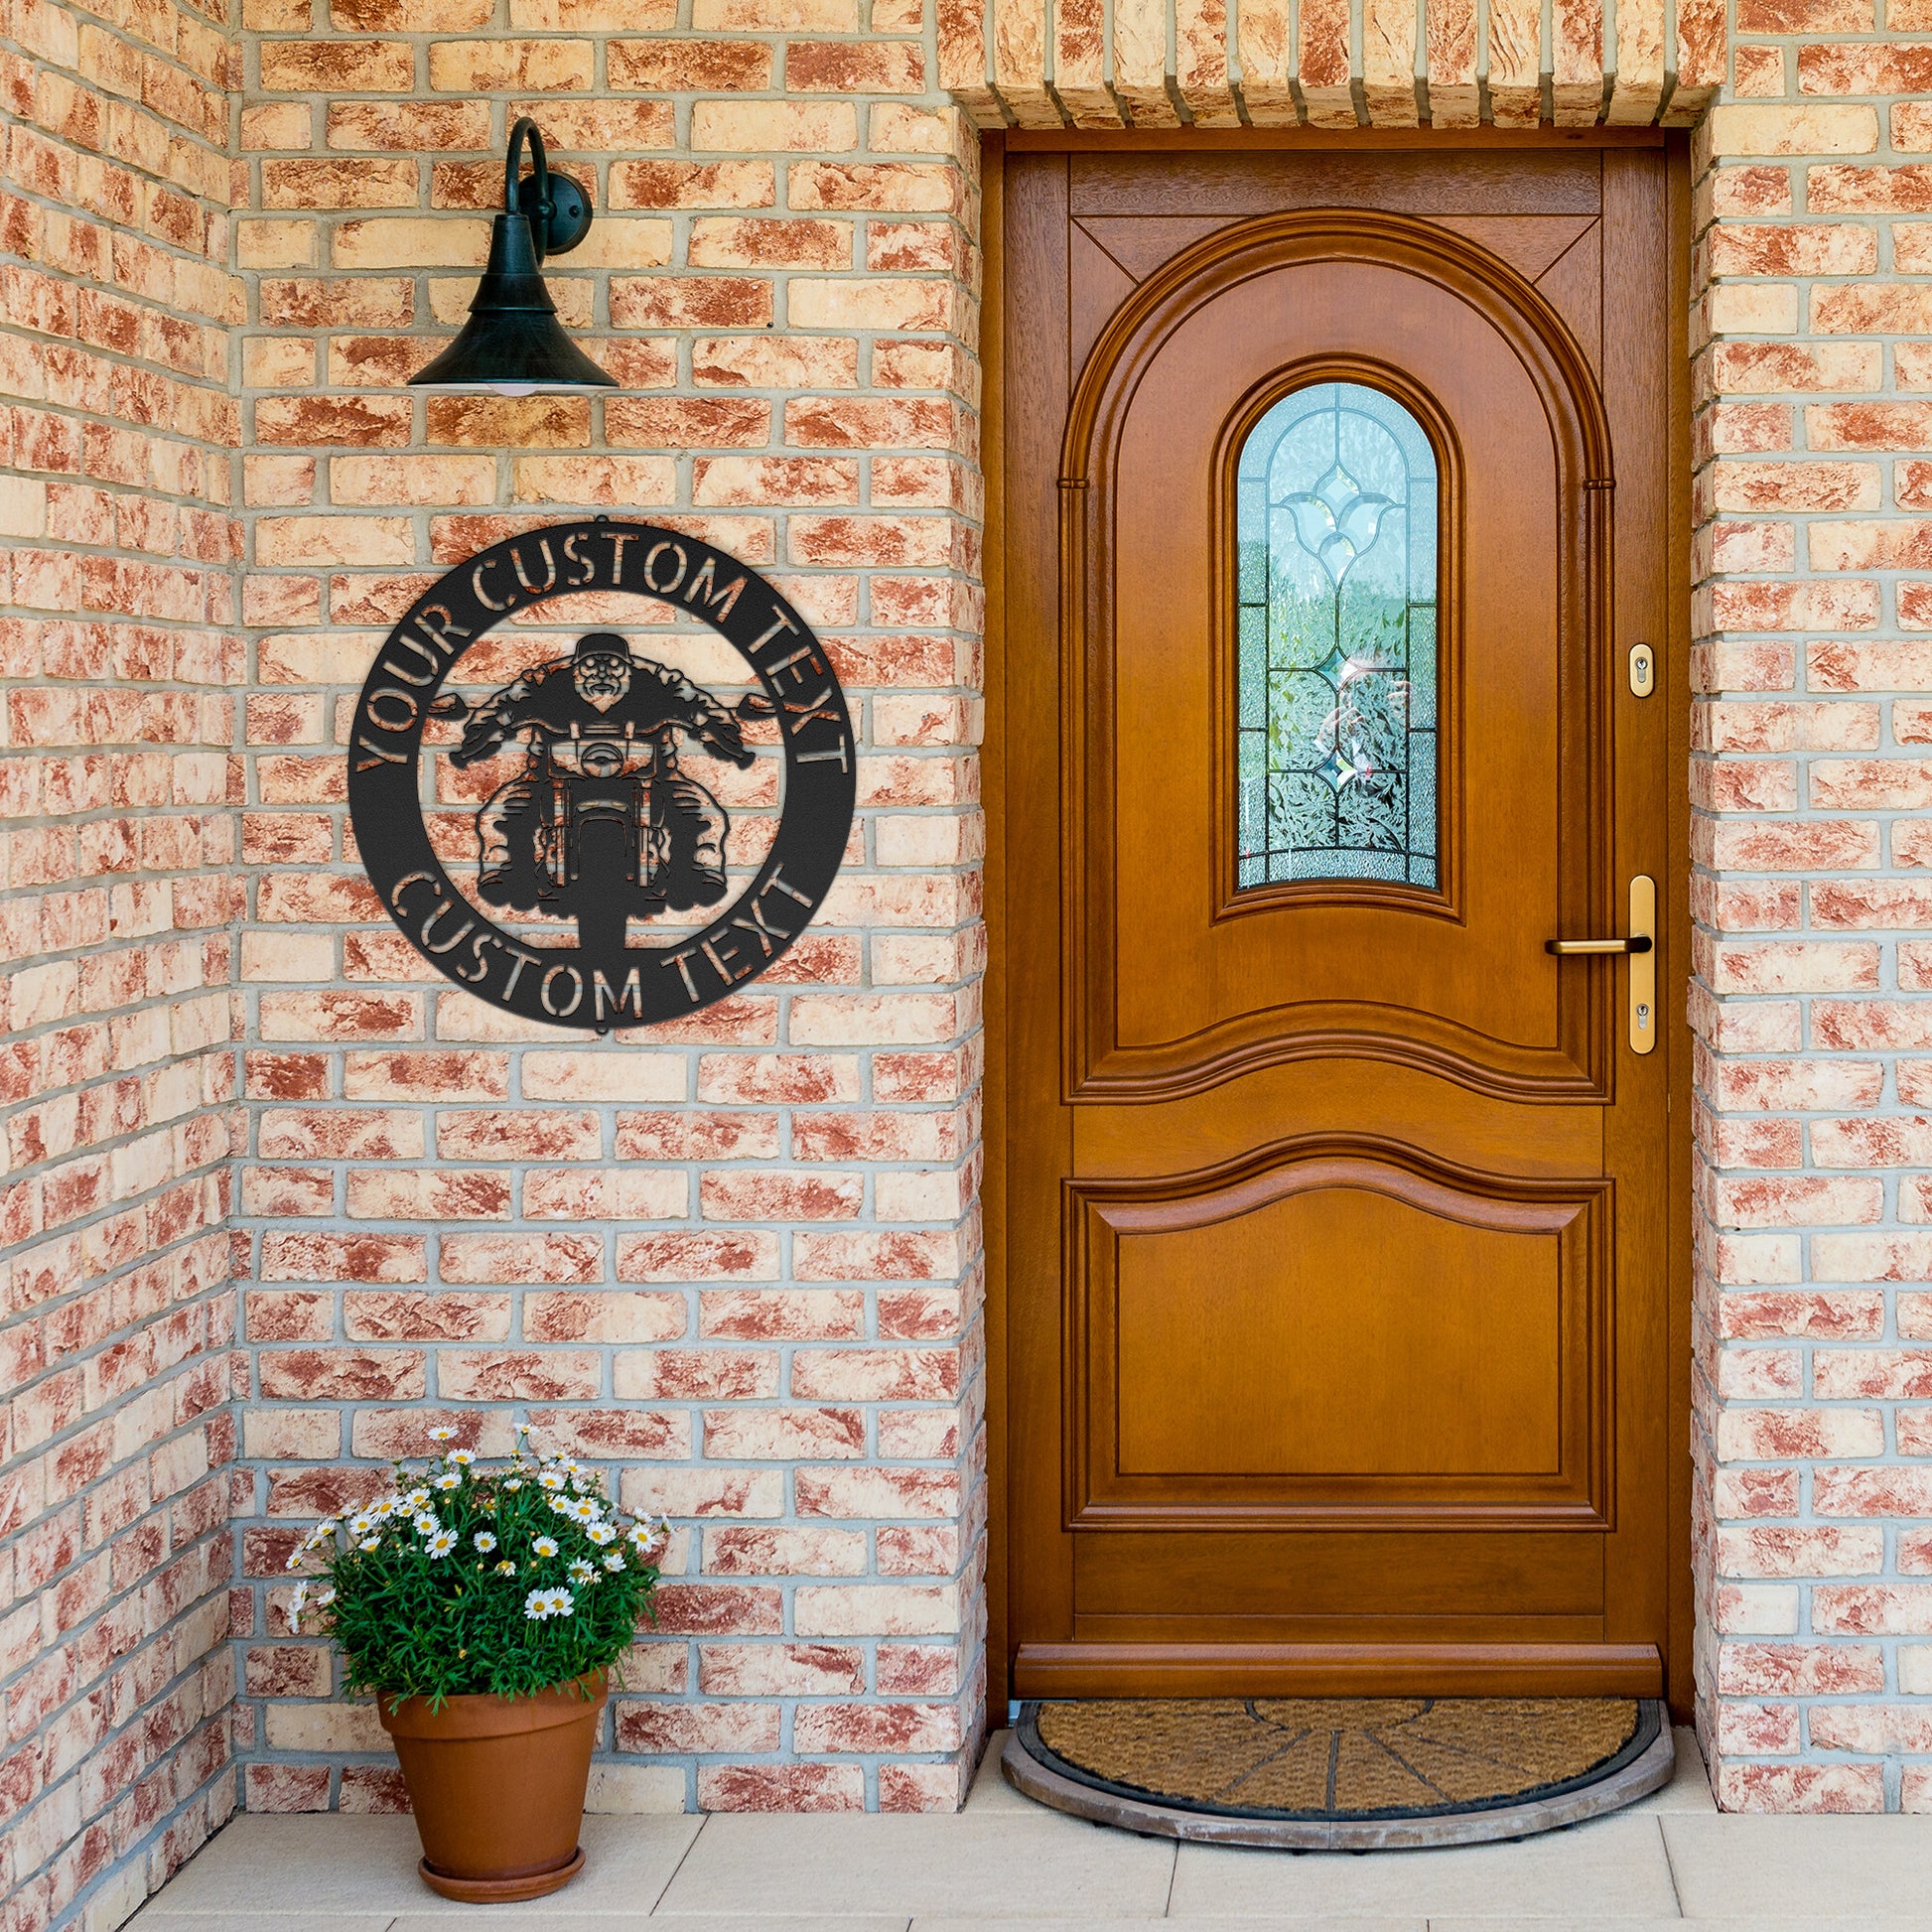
[{"x": 601, "y": 822}]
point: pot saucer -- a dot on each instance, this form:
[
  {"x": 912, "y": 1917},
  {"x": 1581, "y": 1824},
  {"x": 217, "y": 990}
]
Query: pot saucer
[{"x": 501, "y": 1891}]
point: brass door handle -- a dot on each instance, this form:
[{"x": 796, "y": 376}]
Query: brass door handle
[
  {"x": 1642, "y": 991},
  {"x": 1567, "y": 948}
]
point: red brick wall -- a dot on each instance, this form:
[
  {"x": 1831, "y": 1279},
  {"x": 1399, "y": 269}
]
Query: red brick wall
[
  {"x": 735, "y": 1260},
  {"x": 121, "y": 672},
  {"x": 1810, "y": 785},
  {"x": 738, "y": 1261}
]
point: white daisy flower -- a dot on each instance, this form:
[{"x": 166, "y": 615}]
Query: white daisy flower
[
  {"x": 485, "y": 1542},
  {"x": 506, "y": 1567},
  {"x": 516, "y": 1482},
  {"x": 361, "y": 1523},
  {"x": 536, "y": 1607},
  {"x": 444, "y": 1434},
  {"x": 416, "y": 1499},
  {"x": 601, "y": 1533},
  {"x": 296, "y": 1602},
  {"x": 426, "y": 1523},
  {"x": 441, "y": 1543},
  {"x": 449, "y": 1479},
  {"x": 613, "y": 1561},
  {"x": 370, "y": 1543},
  {"x": 550, "y": 1479},
  {"x": 544, "y": 1545},
  {"x": 324, "y": 1597},
  {"x": 461, "y": 1458},
  {"x": 295, "y": 1558},
  {"x": 582, "y": 1573},
  {"x": 562, "y": 1603}
]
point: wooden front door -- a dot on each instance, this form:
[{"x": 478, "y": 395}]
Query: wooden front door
[{"x": 1338, "y": 1210}]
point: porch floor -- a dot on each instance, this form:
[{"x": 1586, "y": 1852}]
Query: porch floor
[{"x": 1670, "y": 1858}]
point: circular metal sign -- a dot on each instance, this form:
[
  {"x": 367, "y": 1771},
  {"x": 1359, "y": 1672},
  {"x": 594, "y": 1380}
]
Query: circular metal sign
[{"x": 606, "y": 820}]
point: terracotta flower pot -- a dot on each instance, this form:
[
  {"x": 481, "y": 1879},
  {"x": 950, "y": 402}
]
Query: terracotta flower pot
[{"x": 498, "y": 1787}]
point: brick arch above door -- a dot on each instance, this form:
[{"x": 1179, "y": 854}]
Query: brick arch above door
[{"x": 1331, "y": 64}]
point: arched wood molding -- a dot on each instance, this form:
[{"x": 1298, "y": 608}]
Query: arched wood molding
[{"x": 1112, "y": 63}]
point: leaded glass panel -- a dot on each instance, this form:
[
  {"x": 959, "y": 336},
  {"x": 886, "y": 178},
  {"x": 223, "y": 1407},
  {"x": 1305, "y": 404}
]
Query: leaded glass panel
[{"x": 1337, "y": 528}]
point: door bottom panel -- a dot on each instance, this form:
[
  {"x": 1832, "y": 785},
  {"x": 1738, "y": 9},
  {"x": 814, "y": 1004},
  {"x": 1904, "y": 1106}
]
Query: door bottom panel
[{"x": 1319, "y": 1575}]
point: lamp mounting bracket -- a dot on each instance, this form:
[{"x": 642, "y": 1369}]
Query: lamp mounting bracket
[{"x": 558, "y": 210}]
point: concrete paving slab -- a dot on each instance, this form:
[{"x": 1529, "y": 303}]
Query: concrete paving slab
[
  {"x": 561, "y": 1918},
  {"x": 1792, "y": 1868},
  {"x": 1403, "y": 1923},
  {"x": 990, "y": 1790},
  {"x": 1006, "y": 1867},
  {"x": 305, "y": 1866},
  {"x": 155, "y": 1918},
  {"x": 1614, "y": 1868},
  {"x": 1665, "y": 1925},
  {"x": 310, "y": 1865},
  {"x": 1689, "y": 1788}
]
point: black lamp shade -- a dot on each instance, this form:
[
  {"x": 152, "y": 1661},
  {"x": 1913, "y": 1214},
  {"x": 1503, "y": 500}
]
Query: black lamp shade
[{"x": 512, "y": 343}]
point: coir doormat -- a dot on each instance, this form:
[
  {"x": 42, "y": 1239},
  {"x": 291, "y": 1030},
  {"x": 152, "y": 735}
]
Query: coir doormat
[{"x": 1341, "y": 1772}]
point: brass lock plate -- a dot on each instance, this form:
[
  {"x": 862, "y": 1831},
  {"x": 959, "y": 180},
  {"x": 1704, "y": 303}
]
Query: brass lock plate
[{"x": 1643, "y": 965}]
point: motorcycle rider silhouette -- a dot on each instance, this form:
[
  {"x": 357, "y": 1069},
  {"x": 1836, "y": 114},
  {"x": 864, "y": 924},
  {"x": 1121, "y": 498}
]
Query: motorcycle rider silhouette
[{"x": 601, "y": 822}]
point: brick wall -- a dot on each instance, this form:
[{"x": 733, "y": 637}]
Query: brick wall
[
  {"x": 738, "y": 1261},
  {"x": 121, "y": 672},
  {"x": 734, "y": 1260},
  {"x": 1811, "y": 783}
]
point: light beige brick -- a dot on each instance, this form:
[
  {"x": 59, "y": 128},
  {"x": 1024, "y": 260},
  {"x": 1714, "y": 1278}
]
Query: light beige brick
[
  {"x": 770, "y": 126},
  {"x": 1807, "y": 128},
  {"x": 486, "y": 67}
]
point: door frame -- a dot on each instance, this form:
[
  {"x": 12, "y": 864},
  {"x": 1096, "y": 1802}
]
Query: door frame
[{"x": 993, "y": 149}]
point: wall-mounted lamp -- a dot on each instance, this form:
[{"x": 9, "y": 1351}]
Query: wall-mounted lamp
[{"x": 512, "y": 343}]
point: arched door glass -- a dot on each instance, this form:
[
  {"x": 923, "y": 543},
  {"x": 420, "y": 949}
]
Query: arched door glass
[{"x": 1336, "y": 529}]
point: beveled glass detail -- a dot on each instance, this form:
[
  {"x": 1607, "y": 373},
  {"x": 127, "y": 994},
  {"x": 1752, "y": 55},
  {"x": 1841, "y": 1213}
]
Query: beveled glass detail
[{"x": 1335, "y": 520}]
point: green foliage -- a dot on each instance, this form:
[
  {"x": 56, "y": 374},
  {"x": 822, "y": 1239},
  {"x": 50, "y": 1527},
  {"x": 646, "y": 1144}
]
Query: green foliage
[{"x": 465, "y": 1578}]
